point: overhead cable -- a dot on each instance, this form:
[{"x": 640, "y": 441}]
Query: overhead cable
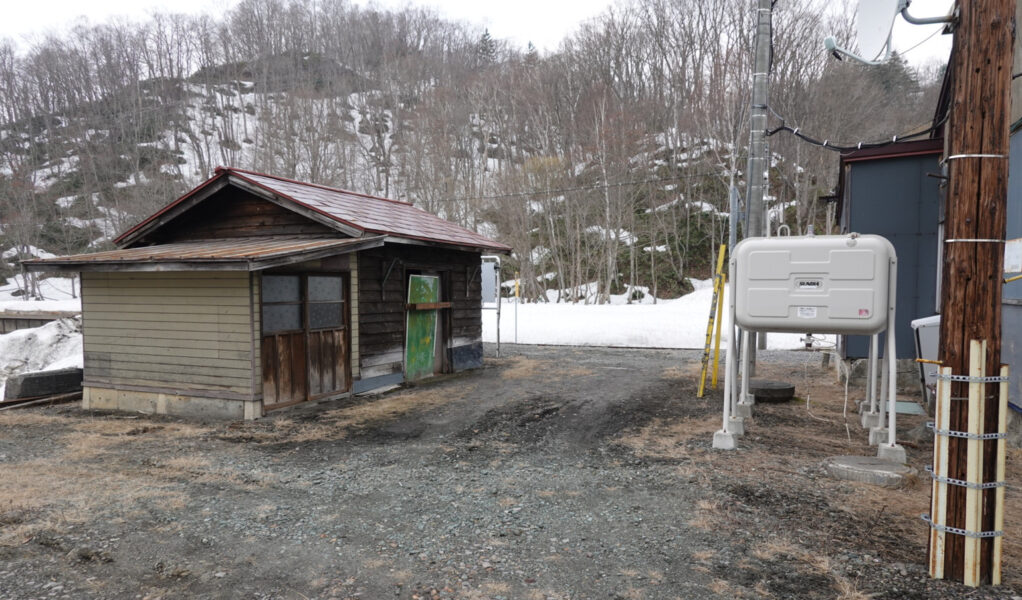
[{"x": 840, "y": 147}]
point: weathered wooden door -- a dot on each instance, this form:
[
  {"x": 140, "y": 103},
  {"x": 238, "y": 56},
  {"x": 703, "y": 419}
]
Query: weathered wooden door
[
  {"x": 304, "y": 338},
  {"x": 421, "y": 326}
]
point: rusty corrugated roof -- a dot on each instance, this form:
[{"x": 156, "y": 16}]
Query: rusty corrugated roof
[
  {"x": 367, "y": 214},
  {"x": 230, "y": 254}
]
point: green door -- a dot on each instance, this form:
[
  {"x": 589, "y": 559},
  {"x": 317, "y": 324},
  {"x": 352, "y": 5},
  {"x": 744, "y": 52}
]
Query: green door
[{"x": 420, "y": 341}]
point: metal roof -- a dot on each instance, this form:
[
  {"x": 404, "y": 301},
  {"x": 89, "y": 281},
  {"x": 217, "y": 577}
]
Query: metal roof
[
  {"x": 235, "y": 254},
  {"x": 366, "y": 214}
]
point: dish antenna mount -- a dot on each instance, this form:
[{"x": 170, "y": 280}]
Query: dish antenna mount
[{"x": 876, "y": 20}]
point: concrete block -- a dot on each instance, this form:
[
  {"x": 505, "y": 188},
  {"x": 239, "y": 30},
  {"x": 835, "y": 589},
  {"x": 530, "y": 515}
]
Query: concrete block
[
  {"x": 877, "y": 435},
  {"x": 736, "y": 425},
  {"x": 725, "y": 440},
  {"x": 94, "y": 398},
  {"x": 43, "y": 383},
  {"x": 894, "y": 454},
  {"x": 743, "y": 410},
  {"x": 867, "y": 469},
  {"x": 870, "y": 420}
]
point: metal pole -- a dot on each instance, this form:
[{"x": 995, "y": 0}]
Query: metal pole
[
  {"x": 496, "y": 284},
  {"x": 871, "y": 372},
  {"x": 732, "y": 234},
  {"x": 756, "y": 174},
  {"x": 516, "y": 307}
]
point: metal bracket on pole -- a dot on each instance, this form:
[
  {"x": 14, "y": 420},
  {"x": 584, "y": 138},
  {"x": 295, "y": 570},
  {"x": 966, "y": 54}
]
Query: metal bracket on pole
[
  {"x": 961, "y": 483},
  {"x": 965, "y": 434},
  {"x": 957, "y": 531},
  {"x": 971, "y": 379}
]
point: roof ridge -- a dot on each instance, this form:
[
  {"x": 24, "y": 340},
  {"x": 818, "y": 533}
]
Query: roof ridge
[{"x": 307, "y": 184}]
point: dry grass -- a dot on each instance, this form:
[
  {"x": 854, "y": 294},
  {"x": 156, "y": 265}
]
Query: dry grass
[
  {"x": 389, "y": 407},
  {"x": 336, "y": 424},
  {"x": 789, "y": 553},
  {"x": 27, "y": 418},
  {"x": 709, "y": 516},
  {"x": 666, "y": 439},
  {"x": 87, "y": 472},
  {"x": 578, "y": 372},
  {"x": 57, "y": 492},
  {"x": 520, "y": 367}
]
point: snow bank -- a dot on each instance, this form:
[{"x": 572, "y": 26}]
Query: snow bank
[
  {"x": 679, "y": 323},
  {"x": 56, "y": 345}
]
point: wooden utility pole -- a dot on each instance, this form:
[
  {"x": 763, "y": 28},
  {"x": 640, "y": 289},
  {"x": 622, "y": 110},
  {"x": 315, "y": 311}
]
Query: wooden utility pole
[{"x": 976, "y": 156}]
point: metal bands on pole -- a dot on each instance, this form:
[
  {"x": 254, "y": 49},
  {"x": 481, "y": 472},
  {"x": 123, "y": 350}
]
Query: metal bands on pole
[
  {"x": 961, "y": 483},
  {"x": 974, "y": 241},
  {"x": 965, "y": 434},
  {"x": 971, "y": 379},
  {"x": 957, "y": 531}
]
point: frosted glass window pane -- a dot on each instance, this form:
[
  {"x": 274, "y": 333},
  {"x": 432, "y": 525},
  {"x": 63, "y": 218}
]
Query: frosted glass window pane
[
  {"x": 281, "y": 317},
  {"x": 322, "y": 316},
  {"x": 280, "y": 288},
  {"x": 325, "y": 289}
]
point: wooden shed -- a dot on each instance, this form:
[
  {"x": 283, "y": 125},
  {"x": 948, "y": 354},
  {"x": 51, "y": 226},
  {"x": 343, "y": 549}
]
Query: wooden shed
[{"x": 253, "y": 292}]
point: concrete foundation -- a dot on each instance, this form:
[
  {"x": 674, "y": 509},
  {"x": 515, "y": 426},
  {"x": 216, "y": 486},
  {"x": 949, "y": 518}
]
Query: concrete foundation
[
  {"x": 877, "y": 435},
  {"x": 907, "y": 380},
  {"x": 725, "y": 440},
  {"x": 867, "y": 469},
  {"x": 894, "y": 454},
  {"x": 870, "y": 420},
  {"x": 736, "y": 425},
  {"x": 94, "y": 398},
  {"x": 743, "y": 410}
]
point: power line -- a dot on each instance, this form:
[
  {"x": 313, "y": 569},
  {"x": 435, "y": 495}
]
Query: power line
[{"x": 855, "y": 146}]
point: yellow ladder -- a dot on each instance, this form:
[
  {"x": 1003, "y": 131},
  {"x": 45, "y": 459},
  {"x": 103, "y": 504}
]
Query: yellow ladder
[{"x": 716, "y": 314}]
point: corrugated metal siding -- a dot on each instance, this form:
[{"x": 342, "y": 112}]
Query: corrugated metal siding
[
  {"x": 181, "y": 331},
  {"x": 895, "y": 198},
  {"x": 1011, "y": 317}
]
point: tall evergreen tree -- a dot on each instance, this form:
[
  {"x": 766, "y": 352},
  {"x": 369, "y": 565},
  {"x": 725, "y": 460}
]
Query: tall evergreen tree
[{"x": 486, "y": 49}]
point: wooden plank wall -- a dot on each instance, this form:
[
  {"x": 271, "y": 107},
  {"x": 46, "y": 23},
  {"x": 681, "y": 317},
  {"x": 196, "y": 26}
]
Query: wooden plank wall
[
  {"x": 382, "y": 315},
  {"x": 352, "y": 309},
  {"x": 175, "y": 331},
  {"x": 233, "y": 213},
  {"x": 9, "y": 324}
]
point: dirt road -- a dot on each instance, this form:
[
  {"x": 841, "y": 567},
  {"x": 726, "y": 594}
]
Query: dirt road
[{"x": 551, "y": 473}]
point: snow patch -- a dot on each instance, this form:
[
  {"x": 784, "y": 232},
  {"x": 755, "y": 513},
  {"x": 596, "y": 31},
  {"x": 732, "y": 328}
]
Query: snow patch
[
  {"x": 679, "y": 323},
  {"x": 56, "y": 345}
]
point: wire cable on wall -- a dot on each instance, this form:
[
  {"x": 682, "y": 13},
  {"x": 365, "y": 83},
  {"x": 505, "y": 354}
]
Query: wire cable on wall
[{"x": 841, "y": 147}]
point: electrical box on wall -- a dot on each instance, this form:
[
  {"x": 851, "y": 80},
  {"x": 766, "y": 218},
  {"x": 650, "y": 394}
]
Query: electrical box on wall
[{"x": 821, "y": 284}]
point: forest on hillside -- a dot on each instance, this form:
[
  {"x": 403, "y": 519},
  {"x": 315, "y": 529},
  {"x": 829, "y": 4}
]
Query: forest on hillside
[{"x": 606, "y": 163}]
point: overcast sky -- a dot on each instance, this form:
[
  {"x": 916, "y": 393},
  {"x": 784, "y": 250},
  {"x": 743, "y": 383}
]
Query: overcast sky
[{"x": 543, "y": 22}]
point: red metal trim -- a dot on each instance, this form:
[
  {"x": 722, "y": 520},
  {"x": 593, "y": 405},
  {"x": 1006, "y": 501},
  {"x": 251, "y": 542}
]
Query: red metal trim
[{"x": 896, "y": 150}]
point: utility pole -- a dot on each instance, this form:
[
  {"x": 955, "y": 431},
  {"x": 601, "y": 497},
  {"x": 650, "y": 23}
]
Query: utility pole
[
  {"x": 976, "y": 156},
  {"x": 755, "y": 175}
]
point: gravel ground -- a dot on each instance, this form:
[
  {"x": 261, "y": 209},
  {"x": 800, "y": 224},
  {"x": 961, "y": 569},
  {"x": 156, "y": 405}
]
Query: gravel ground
[{"x": 551, "y": 473}]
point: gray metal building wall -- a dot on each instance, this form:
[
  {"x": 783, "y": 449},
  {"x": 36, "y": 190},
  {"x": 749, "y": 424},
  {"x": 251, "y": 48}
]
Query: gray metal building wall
[
  {"x": 895, "y": 198},
  {"x": 1011, "y": 317}
]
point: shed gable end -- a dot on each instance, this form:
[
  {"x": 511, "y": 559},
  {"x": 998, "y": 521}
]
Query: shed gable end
[{"x": 236, "y": 213}]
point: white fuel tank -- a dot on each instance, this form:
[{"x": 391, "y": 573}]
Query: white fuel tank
[{"x": 813, "y": 284}]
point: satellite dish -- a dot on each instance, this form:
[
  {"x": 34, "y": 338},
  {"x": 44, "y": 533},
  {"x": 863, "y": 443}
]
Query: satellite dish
[{"x": 875, "y": 20}]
